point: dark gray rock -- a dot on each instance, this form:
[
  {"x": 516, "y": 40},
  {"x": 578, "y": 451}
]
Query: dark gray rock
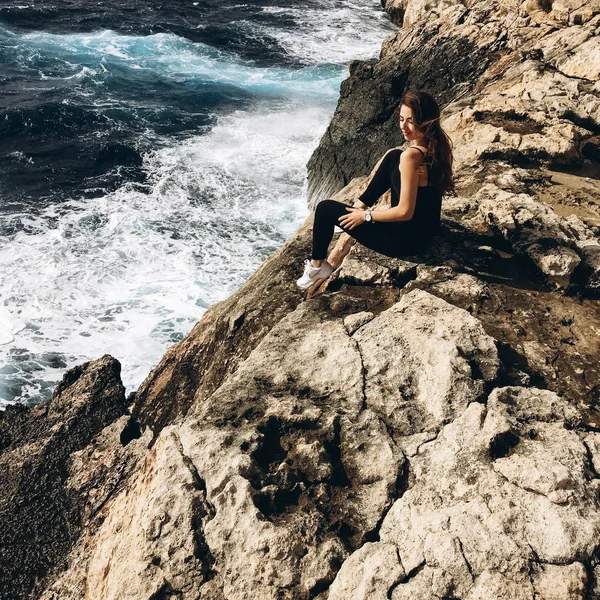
[{"x": 39, "y": 518}]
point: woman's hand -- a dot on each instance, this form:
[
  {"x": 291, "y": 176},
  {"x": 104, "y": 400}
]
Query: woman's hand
[{"x": 352, "y": 220}]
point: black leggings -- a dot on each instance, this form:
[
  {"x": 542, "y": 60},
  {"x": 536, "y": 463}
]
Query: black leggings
[{"x": 392, "y": 239}]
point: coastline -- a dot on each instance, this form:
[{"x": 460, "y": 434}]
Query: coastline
[
  {"x": 137, "y": 199},
  {"x": 423, "y": 428}
]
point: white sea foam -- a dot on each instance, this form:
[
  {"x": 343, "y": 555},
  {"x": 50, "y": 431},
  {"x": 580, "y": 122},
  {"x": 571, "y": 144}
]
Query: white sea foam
[
  {"x": 131, "y": 272},
  {"x": 335, "y": 32},
  {"x": 9, "y": 326}
]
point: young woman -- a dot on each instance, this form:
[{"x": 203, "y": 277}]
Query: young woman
[{"x": 418, "y": 176}]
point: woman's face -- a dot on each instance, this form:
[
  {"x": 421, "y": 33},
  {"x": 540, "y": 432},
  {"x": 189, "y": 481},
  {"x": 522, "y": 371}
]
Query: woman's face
[{"x": 407, "y": 125}]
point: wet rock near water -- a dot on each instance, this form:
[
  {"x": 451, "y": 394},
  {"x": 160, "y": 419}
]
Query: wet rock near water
[{"x": 40, "y": 514}]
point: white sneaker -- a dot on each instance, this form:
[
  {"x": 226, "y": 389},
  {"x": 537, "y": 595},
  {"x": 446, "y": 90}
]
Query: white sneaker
[{"x": 312, "y": 274}]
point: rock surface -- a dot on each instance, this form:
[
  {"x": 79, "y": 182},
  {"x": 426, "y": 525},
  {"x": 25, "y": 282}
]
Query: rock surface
[
  {"x": 425, "y": 428},
  {"x": 295, "y": 459},
  {"x": 41, "y": 515}
]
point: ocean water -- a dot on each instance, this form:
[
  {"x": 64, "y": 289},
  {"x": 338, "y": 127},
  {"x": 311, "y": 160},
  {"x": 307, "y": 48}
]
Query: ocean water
[{"x": 151, "y": 157}]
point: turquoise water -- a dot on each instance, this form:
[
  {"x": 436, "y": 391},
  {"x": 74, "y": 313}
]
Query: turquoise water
[{"x": 150, "y": 160}]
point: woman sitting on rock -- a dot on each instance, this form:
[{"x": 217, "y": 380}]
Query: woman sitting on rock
[{"x": 418, "y": 176}]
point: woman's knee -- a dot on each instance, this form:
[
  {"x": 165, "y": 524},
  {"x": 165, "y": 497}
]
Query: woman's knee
[
  {"x": 329, "y": 209},
  {"x": 326, "y": 205}
]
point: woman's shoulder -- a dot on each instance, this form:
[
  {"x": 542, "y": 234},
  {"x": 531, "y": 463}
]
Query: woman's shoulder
[
  {"x": 402, "y": 153},
  {"x": 411, "y": 155},
  {"x": 416, "y": 151}
]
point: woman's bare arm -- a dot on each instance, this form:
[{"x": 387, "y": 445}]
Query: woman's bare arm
[
  {"x": 409, "y": 178},
  {"x": 409, "y": 184}
]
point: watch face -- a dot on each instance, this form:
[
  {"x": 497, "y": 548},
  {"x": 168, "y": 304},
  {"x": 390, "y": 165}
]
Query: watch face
[{"x": 368, "y": 217}]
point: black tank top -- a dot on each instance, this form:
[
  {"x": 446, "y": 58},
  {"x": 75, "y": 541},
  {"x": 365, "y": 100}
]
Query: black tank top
[{"x": 426, "y": 218}]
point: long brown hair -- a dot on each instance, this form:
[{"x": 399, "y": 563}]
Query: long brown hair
[{"x": 426, "y": 117}]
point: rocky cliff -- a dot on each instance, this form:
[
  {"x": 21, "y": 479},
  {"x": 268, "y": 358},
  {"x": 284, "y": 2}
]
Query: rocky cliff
[{"x": 424, "y": 428}]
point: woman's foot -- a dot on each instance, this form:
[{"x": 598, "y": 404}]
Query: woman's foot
[{"x": 312, "y": 274}]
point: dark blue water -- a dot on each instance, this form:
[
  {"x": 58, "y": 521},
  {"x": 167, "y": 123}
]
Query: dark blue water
[
  {"x": 142, "y": 143},
  {"x": 78, "y": 111}
]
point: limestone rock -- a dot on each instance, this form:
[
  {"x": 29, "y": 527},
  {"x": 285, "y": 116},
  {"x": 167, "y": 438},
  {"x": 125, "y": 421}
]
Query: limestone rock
[
  {"x": 562, "y": 11},
  {"x": 536, "y": 230},
  {"x": 487, "y": 488},
  {"x": 274, "y": 475},
  {"x": 370, "y": 573},
  {"x": 461, "y": 289},
  {"x": 406, "y": 13},
  {"x": 141, "y": 553},
  {"x": 426, "y": 361},
  {"x": 592, "y": 442},
  {"x": 96, "y": 471},
  {"x": 268, "y": 482},
  {"x": 590, "y": 255},
  {"x": 535, "y": 104},
  {"x": 295, "y": 467},
  {"x": 356, "y": 320},
  {"x": 560, "y": 582},
  {"x": 363, "y": 266}
]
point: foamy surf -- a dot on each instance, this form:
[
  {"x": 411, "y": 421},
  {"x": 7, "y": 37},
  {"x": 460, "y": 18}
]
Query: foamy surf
[
  {"x": 100, "y": 55},
  {"x": 191, "y": 172},
  {"x": 345, "y": 31},
  {"x": 129, "y": 273}
]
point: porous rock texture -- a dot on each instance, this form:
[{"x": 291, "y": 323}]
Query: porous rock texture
[{"x": 425, "y": 428}]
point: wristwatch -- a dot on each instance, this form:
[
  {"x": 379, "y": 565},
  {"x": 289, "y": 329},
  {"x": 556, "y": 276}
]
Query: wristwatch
[{"x": 368, "y": 217}]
